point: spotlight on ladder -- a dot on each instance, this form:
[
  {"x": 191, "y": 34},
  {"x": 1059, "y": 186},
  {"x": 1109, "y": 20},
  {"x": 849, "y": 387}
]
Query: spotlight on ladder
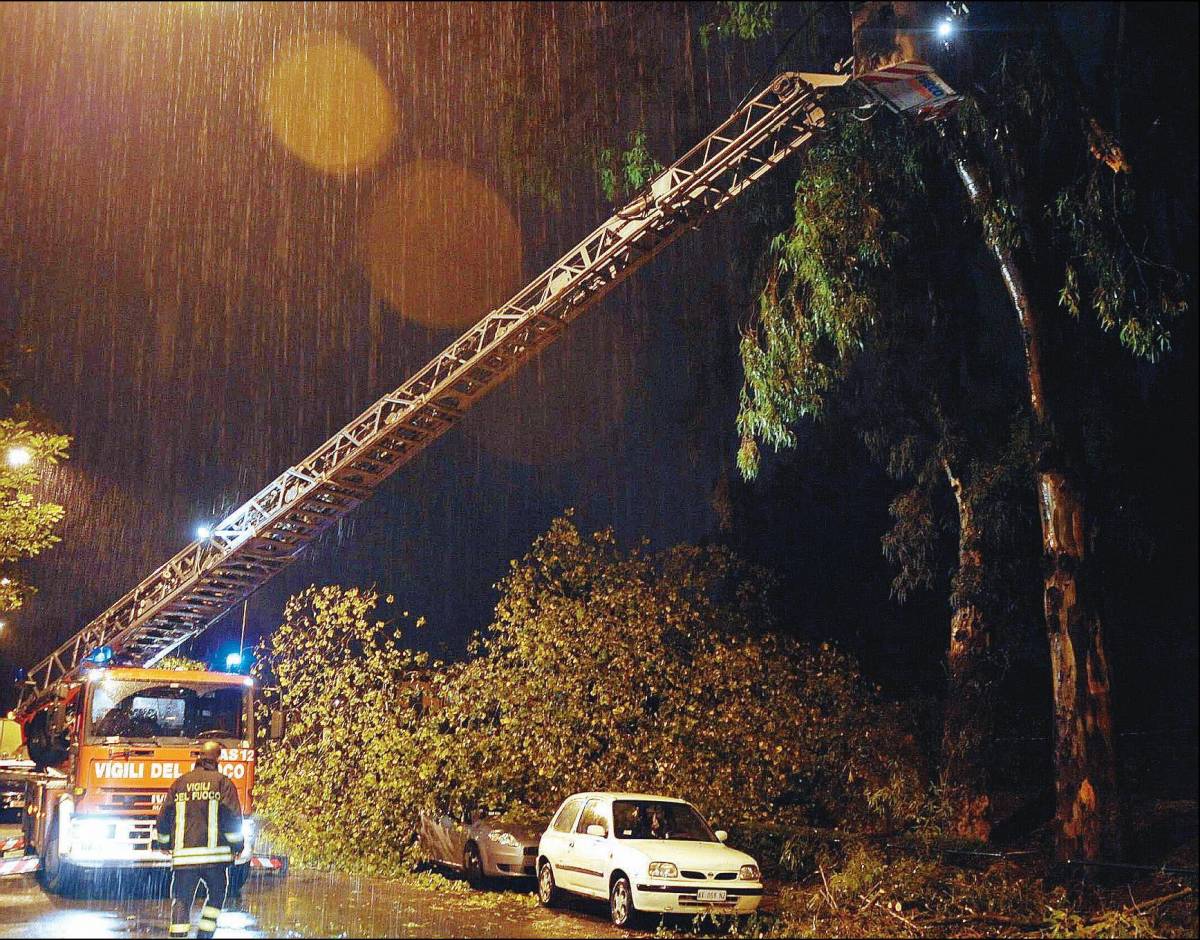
[
  {"x": 233, "y": 662},
  {"x": 203, "y": 533},
  {"x": 945, "y": 29}
]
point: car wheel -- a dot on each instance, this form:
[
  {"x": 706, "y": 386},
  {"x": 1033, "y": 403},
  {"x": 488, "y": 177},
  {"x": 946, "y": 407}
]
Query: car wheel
[
  {"x": 473, "y": 866},
  {"x": 620, "y": 903},
  {"x": 548, "y": 893}
]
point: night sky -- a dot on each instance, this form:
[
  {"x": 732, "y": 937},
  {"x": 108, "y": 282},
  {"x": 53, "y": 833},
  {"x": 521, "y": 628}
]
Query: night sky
[{"x": 208, "y": 289}]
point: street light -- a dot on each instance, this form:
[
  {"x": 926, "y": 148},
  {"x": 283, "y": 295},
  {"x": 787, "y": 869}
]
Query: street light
[
  {"x": 945, "y": 29},
  {"x": 19, "y": 456}
]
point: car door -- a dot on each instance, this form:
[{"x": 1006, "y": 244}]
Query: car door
[
  {"x": 558, "y": 841},
  {"x": 590, "y": 854}
]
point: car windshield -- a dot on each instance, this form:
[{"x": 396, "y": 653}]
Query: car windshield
[
  {"x": 657, "y": 819},
  {"x": 178, "y": 711}
]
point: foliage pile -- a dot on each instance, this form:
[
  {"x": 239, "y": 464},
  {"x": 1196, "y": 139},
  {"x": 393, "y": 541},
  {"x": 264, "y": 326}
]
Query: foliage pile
[
  {"x": 604, "y": 669},
  {"x": 866, "y": 893}
]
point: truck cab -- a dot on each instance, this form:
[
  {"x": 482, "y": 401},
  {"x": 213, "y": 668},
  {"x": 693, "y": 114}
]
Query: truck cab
[{"x": 123, "y": 736}]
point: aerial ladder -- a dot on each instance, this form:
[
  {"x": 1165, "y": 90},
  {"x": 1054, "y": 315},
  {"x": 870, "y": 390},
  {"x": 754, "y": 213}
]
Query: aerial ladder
[{"x": 193, "y": 589}]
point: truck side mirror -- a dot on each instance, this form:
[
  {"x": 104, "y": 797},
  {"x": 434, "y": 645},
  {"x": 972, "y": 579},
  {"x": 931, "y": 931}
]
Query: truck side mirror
[{"x": 276, "y": 725}]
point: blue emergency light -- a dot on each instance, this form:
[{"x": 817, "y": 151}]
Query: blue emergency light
[{"x": 100, "y": 656}]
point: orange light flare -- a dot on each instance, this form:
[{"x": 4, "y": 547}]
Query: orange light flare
[
  {"x": 326, "y": 103},
  {"x": 440, "y": 245}
]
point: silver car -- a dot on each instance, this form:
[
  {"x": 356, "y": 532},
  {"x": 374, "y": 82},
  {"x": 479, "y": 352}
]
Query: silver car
[{"x": 481, "y": 844}]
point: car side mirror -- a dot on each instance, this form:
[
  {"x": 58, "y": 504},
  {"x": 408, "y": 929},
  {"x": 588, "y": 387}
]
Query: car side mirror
[
  {"x": 594, "y": 830},
  {"x": 722, "y": 835}
]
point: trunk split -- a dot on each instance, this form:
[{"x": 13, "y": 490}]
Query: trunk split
[{"x": 1086, "y": 818}]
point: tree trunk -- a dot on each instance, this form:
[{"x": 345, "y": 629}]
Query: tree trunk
[
  {"x": 1087, "y": 817},
  {"x": 967, "y": 718}
]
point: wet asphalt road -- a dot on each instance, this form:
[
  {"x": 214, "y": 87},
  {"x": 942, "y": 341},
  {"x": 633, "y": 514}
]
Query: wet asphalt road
[{"x": 300, "y": 904}]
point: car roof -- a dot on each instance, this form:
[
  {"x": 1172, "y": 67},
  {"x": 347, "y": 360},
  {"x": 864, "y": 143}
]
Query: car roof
[{"x": 620, "y": 795}]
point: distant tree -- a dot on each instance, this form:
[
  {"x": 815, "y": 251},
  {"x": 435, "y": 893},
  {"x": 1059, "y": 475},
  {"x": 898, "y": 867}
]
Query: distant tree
[{"x": 27, "y": 522}]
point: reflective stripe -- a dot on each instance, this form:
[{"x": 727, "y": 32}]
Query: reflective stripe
[
  {"x": 212, "y": 823},
  {"x": 180, "y": 822},
  {"x": 202, "y": 856},
  {"x": 210, "y": 911},
  {"x": 233, "y": 837},
  {"x": 207, "y": 924},
  {"x": 179, "y": 930}
]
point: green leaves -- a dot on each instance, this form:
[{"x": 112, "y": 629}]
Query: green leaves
[
  {"x": 27, "y": 523},
  {"x": 623, "y": 173},
  {"x": 604, "y": 668},
  {"x": 834, "y": 280},
  {"x": 741, "y": 20}
]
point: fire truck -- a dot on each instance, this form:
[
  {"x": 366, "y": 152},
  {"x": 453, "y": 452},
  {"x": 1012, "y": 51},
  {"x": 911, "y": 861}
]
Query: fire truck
[
  {"x": 105, "y": 748},
  {"x": 107, "y": 732}
]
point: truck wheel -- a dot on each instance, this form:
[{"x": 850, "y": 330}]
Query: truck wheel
[{"x": 57, "y": 876}]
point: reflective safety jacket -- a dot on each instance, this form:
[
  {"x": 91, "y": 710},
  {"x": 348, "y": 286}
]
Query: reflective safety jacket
[{"x": 201, "y": 819}]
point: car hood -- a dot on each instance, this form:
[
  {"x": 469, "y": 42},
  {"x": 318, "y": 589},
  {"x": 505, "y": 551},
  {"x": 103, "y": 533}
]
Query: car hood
[
  {"x": 526, "y": 835},
  {"x": 702, "y": 856}
]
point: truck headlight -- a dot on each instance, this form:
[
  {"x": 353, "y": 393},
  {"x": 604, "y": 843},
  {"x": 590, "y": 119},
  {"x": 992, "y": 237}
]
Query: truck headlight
[
  {"x": 749, "y": 873},
  {"x": 663, "y": 870},
  {"x": 94, "y": 830},
  {"x": 501, "y": 837}
]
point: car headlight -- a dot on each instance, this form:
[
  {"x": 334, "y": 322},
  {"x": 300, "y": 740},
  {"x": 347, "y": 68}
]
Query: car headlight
[
  {"x": 501, "y": 837},
  {"x": 662, "y": 870},
  {"x": 749, "y": 873}
]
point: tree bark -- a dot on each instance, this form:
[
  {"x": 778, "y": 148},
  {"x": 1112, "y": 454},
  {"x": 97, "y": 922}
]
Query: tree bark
[
  {"x": 967, "y": 718},
  {"x": 1086, "y": 817}
]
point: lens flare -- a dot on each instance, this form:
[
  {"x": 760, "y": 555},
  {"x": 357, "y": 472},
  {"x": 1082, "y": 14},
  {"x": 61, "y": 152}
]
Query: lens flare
[
  {"x": 328, "y": 105},
  {"x": 441, "y": 245}
]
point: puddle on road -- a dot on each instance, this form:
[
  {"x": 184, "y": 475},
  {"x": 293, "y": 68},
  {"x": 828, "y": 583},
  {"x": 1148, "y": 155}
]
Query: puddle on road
[{"x": 302, "y": 904}]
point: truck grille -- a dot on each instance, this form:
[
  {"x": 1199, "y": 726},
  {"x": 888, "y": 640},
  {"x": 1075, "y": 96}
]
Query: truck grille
[{"x": 141, "y": 800}]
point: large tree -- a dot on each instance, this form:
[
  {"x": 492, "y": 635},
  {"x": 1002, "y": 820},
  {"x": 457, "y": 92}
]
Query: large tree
[
  {"x": 1051, "y": 193},
  {"x": 866, "y": 319}
]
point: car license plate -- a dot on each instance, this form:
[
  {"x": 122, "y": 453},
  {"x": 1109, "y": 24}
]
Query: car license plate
[{"x": 710, "y": 894}]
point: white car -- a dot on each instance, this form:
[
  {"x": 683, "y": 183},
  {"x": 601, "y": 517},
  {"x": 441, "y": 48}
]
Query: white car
[
  {"x": 481, "y": 845},
  {"x": 644, "y": 853}
]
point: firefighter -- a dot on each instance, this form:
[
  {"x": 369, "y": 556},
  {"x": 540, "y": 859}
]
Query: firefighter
[{"x": 201, "y": 823}]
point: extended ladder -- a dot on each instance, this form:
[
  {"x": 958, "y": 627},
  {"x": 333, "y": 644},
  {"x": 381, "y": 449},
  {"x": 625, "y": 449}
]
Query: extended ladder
[{"x": 203, "y": 581}]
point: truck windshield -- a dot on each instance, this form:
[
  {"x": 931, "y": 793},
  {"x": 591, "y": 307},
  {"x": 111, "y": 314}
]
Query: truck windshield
[{"x": 178, "y": 712}]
